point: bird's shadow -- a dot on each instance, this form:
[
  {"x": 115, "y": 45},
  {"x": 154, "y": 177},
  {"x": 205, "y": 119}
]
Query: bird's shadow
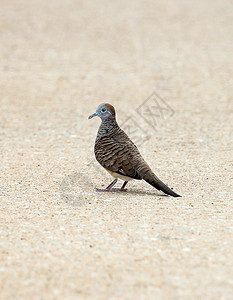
[
  {"x": 143, "y": 193},
  {"x": 75, "y": 186},
  {"x": 133, "y": 192}
]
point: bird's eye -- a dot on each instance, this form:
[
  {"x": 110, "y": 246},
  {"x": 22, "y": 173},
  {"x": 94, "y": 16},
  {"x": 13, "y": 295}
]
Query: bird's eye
[{"x": 103, "y": 110}]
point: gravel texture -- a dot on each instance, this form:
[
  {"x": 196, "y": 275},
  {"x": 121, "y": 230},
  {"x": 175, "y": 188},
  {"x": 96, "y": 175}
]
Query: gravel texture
[{"x": 59, "y": 238}]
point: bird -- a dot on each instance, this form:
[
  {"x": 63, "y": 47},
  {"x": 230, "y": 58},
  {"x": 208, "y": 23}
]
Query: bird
[{"x": 119, "y": 156}]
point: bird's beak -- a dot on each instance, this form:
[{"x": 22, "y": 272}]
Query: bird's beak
[{"x": 93, "y": 115}]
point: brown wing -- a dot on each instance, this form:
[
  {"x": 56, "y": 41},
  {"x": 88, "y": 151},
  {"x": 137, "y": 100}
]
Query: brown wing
[{"x": 114, "y": 156}]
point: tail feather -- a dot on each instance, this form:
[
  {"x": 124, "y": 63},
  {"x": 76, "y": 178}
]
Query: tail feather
[
  {"x": 159, "y": 185},
  {"x": 148, "y": 175}
]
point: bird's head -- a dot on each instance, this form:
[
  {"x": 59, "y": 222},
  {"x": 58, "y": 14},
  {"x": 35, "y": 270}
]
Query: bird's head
[{"x": 104, "y": 111}]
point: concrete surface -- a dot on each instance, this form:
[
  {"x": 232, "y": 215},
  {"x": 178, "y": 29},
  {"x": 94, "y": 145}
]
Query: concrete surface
[{"x": 59, "y": 238}]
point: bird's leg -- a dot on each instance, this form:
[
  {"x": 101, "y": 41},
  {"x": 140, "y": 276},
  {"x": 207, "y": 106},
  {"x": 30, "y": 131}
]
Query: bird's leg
[
  {"x": 123, "y": 186},
  {"x": 111, "y": 184},
  {"x": 108, "y": 188},
  {"x": 122, "y": 189},
  {"x": 111, "y": 189}
]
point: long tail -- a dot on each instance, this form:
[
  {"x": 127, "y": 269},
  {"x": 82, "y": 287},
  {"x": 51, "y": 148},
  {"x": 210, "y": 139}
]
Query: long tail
[
  {"x": 148, "y": 175},
  {"x": 159, "y": 185},
  {"x": 145, "y": 172}
]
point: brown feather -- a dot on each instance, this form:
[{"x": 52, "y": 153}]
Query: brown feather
[
  {"x": 117, "y": 153},
  {"x": 110, "y": 108}
]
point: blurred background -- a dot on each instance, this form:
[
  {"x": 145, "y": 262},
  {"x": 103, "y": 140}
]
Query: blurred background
[
  {"x": 59, "y": 60},
  {"x": 121, "y": 51}
]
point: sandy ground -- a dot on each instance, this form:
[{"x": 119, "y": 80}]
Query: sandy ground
[{"x": 59, "y": 238}]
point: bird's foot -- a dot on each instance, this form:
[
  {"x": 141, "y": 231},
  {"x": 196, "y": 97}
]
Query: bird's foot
[{"x": 102, "y": 190}]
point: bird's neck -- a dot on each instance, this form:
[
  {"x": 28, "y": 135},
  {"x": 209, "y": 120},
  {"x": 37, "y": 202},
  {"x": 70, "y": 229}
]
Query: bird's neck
[{"x": 107, "y": 127}]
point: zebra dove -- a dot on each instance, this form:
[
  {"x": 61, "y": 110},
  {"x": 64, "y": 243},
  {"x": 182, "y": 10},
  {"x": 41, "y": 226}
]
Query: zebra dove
[{"x": 118, "y": 154}]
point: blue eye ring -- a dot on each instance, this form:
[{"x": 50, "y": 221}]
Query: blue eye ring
[{"x": 103, "y": 110}]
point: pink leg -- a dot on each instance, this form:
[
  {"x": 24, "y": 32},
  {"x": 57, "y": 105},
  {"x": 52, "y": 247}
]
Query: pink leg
[{"x": 110, "y": 189}]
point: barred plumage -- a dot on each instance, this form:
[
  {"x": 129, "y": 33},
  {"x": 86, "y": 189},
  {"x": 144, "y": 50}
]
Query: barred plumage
[{"x": 118, "y": 154}]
